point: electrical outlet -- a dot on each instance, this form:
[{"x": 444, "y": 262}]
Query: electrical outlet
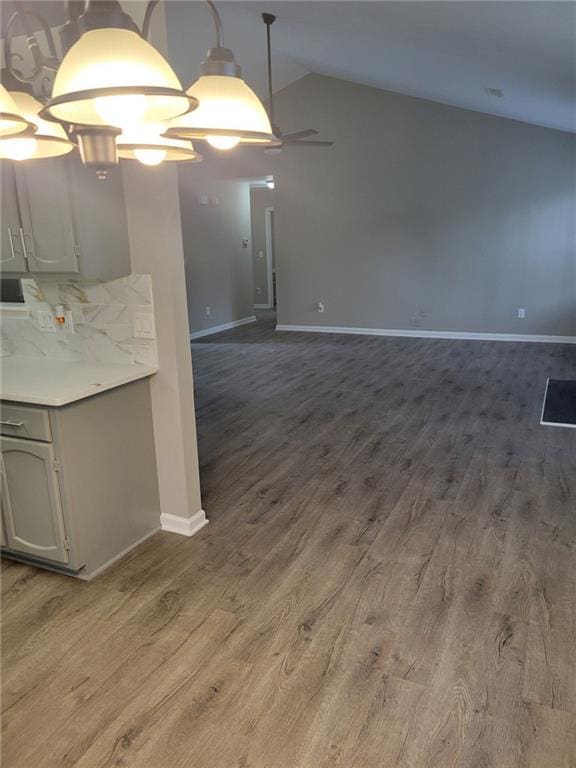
[
  {"x": 320, "y": 306},
  {"x": 245, "y": 243},
  {"x": 208, "y": 311},
  {"x": 415, "y": 321},
  {"x": 258, "y": 291},
  {"x": 45, "y": 321},
  {"x": 143, "y": 326},
  {"x": 521, "y": 313}
]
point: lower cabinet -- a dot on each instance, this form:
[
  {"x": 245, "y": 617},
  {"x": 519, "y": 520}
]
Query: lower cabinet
[
  {"x": 31, "y": 502},
  {"x": 78, "y": 482}
]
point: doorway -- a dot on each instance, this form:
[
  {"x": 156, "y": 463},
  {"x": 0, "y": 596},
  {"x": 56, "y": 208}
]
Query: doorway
[{"x": 270, "y": 257}]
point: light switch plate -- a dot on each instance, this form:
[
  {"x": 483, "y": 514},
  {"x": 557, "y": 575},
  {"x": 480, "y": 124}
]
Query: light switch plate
[
  {"x": 143, "y": 326},
  {"x": 45, "y": 321}
]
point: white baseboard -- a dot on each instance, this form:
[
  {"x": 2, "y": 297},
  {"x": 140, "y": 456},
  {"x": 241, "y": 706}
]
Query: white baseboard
[
  {"x": 429, "y": 334},
  {"x": 262, "y": 306},
  {"x": 224, "y": 327},
  {"x": 185, "y": 526}
]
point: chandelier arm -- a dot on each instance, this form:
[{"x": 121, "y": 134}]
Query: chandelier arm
[
  {"x": 217, "y": 23},
  {"x": 40, "y": 61},
  {"x": 148, "y": 18}
]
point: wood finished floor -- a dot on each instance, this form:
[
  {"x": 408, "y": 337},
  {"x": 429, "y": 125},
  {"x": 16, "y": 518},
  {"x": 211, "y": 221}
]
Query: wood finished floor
[{"x": 388, "y": 579}]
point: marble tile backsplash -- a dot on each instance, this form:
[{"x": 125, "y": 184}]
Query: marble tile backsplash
[{"x": 103, "y": 321}]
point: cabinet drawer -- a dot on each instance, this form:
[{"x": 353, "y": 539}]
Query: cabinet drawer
[{"x": 26, "y": 422}]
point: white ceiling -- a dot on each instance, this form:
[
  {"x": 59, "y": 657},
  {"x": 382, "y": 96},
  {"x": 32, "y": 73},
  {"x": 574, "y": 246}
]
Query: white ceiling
[{"x": 444, "y": 51}]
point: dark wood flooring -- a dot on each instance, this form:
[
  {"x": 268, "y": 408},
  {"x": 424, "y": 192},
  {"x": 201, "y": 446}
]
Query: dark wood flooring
[{"x": 388, "y": 579}]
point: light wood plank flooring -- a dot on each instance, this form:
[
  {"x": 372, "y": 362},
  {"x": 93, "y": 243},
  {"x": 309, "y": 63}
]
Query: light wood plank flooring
[{"x": 388, "y": 579}]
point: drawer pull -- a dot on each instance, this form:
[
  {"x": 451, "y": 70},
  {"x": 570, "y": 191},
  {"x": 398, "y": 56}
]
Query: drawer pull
[{"x": 17, "y": 424}]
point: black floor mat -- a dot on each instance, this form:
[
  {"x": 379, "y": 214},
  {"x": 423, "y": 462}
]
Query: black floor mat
[{"x": 559, "y": 404}]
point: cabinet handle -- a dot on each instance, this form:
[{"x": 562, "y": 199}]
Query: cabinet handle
[
  {"x": 9, "y": 423},
  {"x": 13, "y": 256},
  {"x": 23, "y": 241}
]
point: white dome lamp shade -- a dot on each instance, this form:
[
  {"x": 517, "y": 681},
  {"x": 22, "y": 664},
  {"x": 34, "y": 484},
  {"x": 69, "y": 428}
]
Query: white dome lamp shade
[
  {"x": 112, "y": 80},
  {"x": 229, "y": 113},
  {"x": 113, "y": 77},
  {"x": 12, "y": 121},
  {"x": 50, "y": 139},
  {"x": 151, "y": 148}
]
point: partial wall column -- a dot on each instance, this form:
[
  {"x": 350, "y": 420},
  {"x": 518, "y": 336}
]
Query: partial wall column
[{"x": 155, "y": 230}]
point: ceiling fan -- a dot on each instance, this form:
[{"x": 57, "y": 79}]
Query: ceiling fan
[{"x": 297, "y": 138}]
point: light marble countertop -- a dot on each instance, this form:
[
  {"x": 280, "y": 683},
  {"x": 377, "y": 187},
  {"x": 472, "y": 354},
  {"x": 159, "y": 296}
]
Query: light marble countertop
[{"x": 41, "y": 381}]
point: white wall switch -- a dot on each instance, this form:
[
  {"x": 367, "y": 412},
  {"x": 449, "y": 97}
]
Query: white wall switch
[
  {"x": 320, "y": 306},
  {"x": 143, "y": 326},
  {"x": 521, "y": 313},
  {"x": 203, "y": 200},
  {"x": 208, "y": 311}
]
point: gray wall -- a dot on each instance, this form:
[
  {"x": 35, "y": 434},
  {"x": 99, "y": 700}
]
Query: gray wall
[
  {"x": 422, "y": 216},
  {"x": 215, "y": 221},
  {"x": 260, "y": 199}
]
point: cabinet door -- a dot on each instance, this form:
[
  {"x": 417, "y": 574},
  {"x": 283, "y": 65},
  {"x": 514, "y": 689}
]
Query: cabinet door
[
  {"x": 12, "y": 254},
  {"x": 100, "y": 221},
  {"x": 31, "y": 504},
  {"x": 46, "y": 212}
]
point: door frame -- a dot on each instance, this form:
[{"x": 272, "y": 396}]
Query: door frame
[{"x": 269, "y": 246}]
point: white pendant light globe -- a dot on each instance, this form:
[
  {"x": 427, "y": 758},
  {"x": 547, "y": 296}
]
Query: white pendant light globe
[
  {"x": 12, "y": 122},
  {"x": 150, "y": 156},
  {"x": 150, "y": 147},
  {"x": 18, "y": 148},
  {"x": 50, "y": 139},
  {"x": 223, "y": 142},
  {"x": 113, "y": 77},
  {"x": 229, "y": 112}
]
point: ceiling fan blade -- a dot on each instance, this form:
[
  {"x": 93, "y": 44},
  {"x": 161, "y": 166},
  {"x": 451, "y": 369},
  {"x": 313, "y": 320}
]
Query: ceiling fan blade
[
  {"x": 309, "y": 143},
  {"x": 299, "y": 134}
]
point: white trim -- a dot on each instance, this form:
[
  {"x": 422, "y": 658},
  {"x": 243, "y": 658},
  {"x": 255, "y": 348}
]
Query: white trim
[
  {"x": 551, "y": 423},
  {"x": 262, "y": 306},
  {"x": 224, "y": 327},
  {"x": 269, "y": 245},
  {"x": 429, "y": 334},
  {"x": 185, "y": 526}
]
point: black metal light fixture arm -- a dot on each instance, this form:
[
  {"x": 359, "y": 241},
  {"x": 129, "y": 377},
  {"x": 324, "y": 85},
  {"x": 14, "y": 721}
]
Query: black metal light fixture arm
[{"x": 40, "y": 61}]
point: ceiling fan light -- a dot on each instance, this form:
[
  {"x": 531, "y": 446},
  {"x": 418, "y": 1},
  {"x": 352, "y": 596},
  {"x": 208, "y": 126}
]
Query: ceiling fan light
[
  {"x": 12, "y": 121},
  {"x": 50, "y": 139},
  {"x": 114, "y": 77},
  {"x": 228, "y": 107}
]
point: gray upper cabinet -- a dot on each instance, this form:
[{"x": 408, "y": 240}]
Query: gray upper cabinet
[
  {"x": 46, "y": 212},
  {"x": 58, "y": 217},
  {"x": 31, "y": 503},
  {"x": 101, "y": 226},
  {"x": 12, "y": 252}
]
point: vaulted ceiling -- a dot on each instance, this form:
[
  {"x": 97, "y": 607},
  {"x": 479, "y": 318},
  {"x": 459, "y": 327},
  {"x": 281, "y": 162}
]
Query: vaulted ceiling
[{"x": 449, "y": 52}]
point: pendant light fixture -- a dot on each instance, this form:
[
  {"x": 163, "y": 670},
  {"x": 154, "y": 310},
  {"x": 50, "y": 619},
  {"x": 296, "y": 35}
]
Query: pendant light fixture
[
  {"x": 151, "y": 148},
  {"x": 229, "y": 111},
  {"x": 113, "y": 77},
  {"x": 49, "y": 140},
  {"x": 12, "y": 122}
]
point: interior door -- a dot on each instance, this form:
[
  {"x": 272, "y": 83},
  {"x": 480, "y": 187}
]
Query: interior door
[
  {"x": 12, "y": 254},
  {"x": 31, "y": 503},
  {"x": 46, "y": 212}
]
